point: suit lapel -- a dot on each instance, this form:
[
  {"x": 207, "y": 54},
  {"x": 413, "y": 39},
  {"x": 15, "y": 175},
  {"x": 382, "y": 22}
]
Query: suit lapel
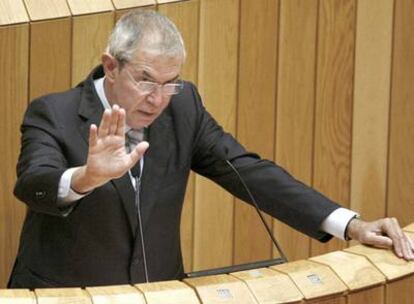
[{"x": 91, "y": 110}]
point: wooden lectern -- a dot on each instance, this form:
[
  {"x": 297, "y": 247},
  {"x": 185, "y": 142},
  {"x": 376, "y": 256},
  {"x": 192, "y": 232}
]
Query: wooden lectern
[{"x": 356, "y": 275}]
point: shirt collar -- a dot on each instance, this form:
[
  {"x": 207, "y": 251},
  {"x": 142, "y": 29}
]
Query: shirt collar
[{"x": 99, "y": 87}]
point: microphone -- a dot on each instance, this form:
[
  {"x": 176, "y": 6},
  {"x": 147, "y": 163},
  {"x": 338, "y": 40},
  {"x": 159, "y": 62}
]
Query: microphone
[
  {"x": 136, "y": 171},
  {"x": 222, "y": 153}
]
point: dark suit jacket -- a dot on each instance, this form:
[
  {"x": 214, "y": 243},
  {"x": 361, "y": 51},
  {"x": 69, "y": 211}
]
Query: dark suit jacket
[{"x": 98, "y": 243}]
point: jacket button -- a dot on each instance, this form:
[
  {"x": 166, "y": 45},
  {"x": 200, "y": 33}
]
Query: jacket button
[{"x": 40, "y": 194}]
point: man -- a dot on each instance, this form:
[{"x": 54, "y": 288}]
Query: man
[{"x": 101, "y": 215}]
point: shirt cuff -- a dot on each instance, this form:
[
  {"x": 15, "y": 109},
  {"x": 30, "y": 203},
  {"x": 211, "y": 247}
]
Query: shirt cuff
[
  {"x": 337, "y": 222},
  {"x": 66, "y": 195}
]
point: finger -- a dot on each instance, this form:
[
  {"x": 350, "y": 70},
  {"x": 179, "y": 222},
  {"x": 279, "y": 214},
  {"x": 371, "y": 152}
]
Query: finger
[
  {"x": 93, "y": 135},
  {"x": 114, "y": 120},
  {"x": 401, "y": 245},
  {"x": 379, "y": 241},
  {"x": 104, "y": 125},
  {"x": 120, "y": 128},
  {"x": 138, "y": 152}
]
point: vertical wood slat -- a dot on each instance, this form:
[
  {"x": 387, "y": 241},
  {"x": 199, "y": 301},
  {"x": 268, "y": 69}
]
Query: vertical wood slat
[
  {"x": 217, "y": 78},
  {"x": 90, "y": 35},
  {"x": 401, "y": 156},
  {"x": 50, "y": 56},
  {"x": 295, "y": 105},
  {"x": 333, "y": 114},
  {"x": 14, "y": 50},
  {"x": 185, "y": 16},
  {"x": 371, "y": 108},
  {"x": 256, "y": 99}
]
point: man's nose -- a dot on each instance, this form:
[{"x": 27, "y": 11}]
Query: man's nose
[{"x": 155, "y": 98}]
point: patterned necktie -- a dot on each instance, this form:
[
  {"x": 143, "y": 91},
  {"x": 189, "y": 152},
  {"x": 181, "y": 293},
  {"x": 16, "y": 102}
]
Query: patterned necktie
[{"x": 133, "y": 138}]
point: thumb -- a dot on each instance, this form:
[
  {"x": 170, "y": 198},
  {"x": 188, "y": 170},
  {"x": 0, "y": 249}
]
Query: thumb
[{"x": 141, "y": 148}]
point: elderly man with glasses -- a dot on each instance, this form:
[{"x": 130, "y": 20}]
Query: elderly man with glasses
[{"x": 104, "y": 166}]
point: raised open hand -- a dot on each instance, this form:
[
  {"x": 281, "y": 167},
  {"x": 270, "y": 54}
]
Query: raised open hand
[{"x": 107, "y": 156}]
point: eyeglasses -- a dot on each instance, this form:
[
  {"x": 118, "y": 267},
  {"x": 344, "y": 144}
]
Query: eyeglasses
[{"x": 148, "y": 87}]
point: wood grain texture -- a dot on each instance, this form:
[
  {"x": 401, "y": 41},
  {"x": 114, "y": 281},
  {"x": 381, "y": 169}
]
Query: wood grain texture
[
  {"x": 221, "y": 288},
  {"x": 50, "y": 56},
  {"x": 125, "y": 294},
  {"x": 400, "y": 291},
  {"x": 14, "y": 50},
  {"x": 46, "y": 9},
  {"x": 90, "y": 35},
  {"x": 269, "y": 286},
  {"x": 185, "y": 15},
  {"x": 255, "y": 114},
  {"x": 81, "y": 7},
  {"x": 17, "y": 296},
  {"x": 62, "y": 295},
  {"x": 295, "y": 105},
  {"x": 168, "y": 292},
  {"x": 355, "y": 271},
  {"x": 120, "y": 13},
  {"x": 371, "y": 108},
  {"x": 12, "y": 12},
  {"x": 373, "y": 295},
  {"x": 123, "y": 4},
  {"x": 217, "y": 78},
  {"x": 385, "y": 260},
  {"x": 333, "y": 113},
  {"x": 313, "y": 280},
  {"x": 401, "y": 158},
  {"x": 167, "y": 1}
]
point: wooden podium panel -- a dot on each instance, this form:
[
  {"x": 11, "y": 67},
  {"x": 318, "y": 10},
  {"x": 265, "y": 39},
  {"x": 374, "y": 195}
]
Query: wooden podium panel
[
  {"x": 358, "y": 274},
  {"x": 221, "y": 289},
  {"x": 315, "y": 281},
  {"x": 400, "y": 285},
  {"x": 17, "y": 296},
  {"x": 124, "y": 294},
  {"x": 62, "y": 296},
  {"x": 269, "y": 286},
  {"x": 409, "y": 228},
  {"x": 168, "y": 292}
]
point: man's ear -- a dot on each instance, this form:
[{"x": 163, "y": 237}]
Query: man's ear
[{"x": 110, "y": 66}]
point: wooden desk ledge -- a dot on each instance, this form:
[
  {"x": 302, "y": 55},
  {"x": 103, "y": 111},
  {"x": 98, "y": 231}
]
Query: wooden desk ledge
[
  {"x": 62, "y": 295},
  {"x": 17, "y": 296},
  {"x": 168, "y": 292},
  {"x": 124, "y": 294},
  {"x": 270, "y": 286},
  {"x": 221, "y": 288},
  {"x": 385, "y": 260},
  {"x": 314, "y": 280}
]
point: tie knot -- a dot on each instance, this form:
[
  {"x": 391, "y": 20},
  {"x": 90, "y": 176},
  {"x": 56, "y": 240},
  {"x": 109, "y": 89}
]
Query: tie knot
[{"x": 135, "y": 136}]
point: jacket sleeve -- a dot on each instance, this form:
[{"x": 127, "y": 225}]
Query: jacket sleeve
[
  {"x": 41, "y": 161},
  {"x": 275, "y": 190}
]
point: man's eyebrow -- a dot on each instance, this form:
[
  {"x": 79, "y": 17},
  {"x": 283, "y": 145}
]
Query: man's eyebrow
[{"x": 147, "y": 75}]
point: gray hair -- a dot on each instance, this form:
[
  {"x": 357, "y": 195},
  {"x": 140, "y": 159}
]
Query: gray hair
[{"x": 141, "y": 30}]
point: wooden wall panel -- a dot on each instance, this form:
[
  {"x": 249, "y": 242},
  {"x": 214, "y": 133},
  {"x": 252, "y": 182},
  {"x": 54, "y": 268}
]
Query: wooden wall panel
[
  {"x": 255, "y": 114},
  {"x": 217, "y": 78},
  {"x": 401, "y": 159},
  {"x": 50, "y": 55},
  {"x": 295, "y": 106},
  {"x": 186, "y": 16},
  {"x": 333, "y": 113},
  {"x": 371, "y": 107},
  {"x": 14, "y": 50},
  {"x": 90, "y": 36}
]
